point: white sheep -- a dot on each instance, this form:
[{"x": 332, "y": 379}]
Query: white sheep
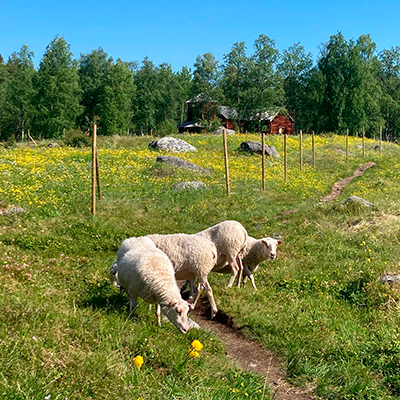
[
  {"x": 255, "y": 252},
  {"x": 145, "y": 271},
  {"x": 192, "y": 257},
  {"x": 229, "y": 238}
]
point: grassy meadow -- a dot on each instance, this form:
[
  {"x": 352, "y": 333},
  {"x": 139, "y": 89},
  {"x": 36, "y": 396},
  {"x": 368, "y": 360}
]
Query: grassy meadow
[{"x": 65, "y": 332}]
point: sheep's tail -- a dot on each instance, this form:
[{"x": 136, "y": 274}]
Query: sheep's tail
[{"x": 114, "y": 274}]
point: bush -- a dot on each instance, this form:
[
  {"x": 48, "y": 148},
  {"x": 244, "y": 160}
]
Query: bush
[
  {"x": 76, "y": 138},
  {"x": 167, "y": 127}
]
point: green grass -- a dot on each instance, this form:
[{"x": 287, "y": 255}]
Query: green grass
[{"x": 65, "y": 332}]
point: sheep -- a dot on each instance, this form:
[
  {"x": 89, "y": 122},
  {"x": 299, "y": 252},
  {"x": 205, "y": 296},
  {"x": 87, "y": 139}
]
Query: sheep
[
  {"x": 192, "y": 257},
  {"x": 145, "y": 271},
  {"x": 229, "y": 238},
  {"x": 255, "y": 252}
]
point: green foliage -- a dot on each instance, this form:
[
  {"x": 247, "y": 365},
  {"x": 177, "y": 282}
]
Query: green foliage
[
  {"x": 167, "y": 127},
  {"x": 77, "y": 138},
  {"x": 58, "y": 92},
  {"x": 116, "y": 99}
]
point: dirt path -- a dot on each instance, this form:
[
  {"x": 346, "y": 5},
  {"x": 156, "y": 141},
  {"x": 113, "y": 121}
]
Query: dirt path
[
  {"x": 337, "y": 188},
  {"x": 250, "y": 355}
]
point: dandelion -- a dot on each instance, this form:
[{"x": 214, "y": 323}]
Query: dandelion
[
  {"x": 197, "y": 345},
  {"x": 138, "y": 361},
  {"x": 193, "y": 353}
]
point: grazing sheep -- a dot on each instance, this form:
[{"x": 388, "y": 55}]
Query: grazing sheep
[
  {"x": 192, "y": 257},
  {"x": 255, "y": 252},
  {"x": 145, "y": 271},
  {"x": 229, "y": 238}
]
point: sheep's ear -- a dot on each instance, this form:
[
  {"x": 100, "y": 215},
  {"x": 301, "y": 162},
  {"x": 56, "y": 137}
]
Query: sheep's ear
[{"x": 265, "y": 242}]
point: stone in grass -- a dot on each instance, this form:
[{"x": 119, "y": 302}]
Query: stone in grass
[
  {"x": 391, "y": 279},
  {"x": 190, "y": 185},
  {"x": 220, "y": 131},
  {"x": 180, "y": 163},
  {"x": 11, "y": 210},
  {"x": 359, "y": 200},
  {"x": 171, "y": 144},
  {"x": 256, "y": 147}
]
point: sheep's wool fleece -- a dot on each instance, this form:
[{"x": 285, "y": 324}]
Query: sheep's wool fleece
[
  {"x": 191, "y": 253},
  {"x": 229, "y": 238},
  {"x": 148, "y": 275}
]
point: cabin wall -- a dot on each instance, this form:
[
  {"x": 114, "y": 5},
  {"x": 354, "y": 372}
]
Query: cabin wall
[{"x": 281, "y": 121}]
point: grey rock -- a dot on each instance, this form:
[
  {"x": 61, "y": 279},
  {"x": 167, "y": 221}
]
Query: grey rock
[
  {"x": 12, "y": 210},
  {"x": 356, "y": 199},
  {"x": 190, "y": 185},
  {"x": 256, "y": 147},
  {"x": 180, "y": 163},
  {"x": 53, "y": 145},
  {"x": 171, "y": 144},
  {"x": 220, "y": 131},
  {"x": 390, "y": 278}
]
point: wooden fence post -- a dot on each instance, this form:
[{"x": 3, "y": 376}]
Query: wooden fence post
[
  {"x": 301, "y": 149},
  {"x": 313, "y": 149},
  {"x": 94, "y": 172},
  {"x": 347, "y": 145},
  {"x": 228, "y": 190},
  {"x": 285, "y": 156},
  {"x": 263, "y": 159},
  {"x": 363, "y": 140}
]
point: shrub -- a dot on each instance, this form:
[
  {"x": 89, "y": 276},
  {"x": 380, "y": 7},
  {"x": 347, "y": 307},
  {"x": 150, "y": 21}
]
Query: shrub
[
  {"x": 167, "y": 127},
  {"x": 76, "y": 138}
]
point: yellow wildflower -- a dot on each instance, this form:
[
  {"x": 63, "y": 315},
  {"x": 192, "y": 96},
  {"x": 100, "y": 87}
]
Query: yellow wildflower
[
  {"x": 138, "y": 361},
  {"x": 197, "y": 345}
]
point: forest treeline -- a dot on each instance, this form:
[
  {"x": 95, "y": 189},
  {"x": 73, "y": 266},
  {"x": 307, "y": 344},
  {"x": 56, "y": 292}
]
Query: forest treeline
[{"x": 350, "y": 85}]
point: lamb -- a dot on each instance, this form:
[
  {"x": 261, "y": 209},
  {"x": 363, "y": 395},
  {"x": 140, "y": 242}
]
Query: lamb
[
  {"x": 192, "y": 257},
  {"x": 229, "y": 238},
  {"x": 145, "y": 271},
  {"x": 255, "y": 252}
]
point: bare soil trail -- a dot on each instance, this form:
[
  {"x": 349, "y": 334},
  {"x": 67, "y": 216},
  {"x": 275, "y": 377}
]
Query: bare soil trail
[
  {"x": 248, "y": 353},
  {"x": 337, "y": 188}
]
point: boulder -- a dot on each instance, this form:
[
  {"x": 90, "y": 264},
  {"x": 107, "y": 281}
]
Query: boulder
[
  {"x": 359, "y": 200},
  {"x": 180, "y": 163},
  {"x": 171, "y": 144},
  {"x": 220, "y": 131},
  {"x": 256, "y": 147}
]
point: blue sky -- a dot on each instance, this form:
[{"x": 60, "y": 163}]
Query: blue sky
[{"x": 176, "y": 32}]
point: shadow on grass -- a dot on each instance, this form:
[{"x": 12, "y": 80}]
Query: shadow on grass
[{"x": 103, "y": 296}]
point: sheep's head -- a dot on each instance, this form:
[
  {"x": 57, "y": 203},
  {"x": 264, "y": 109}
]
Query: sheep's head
[
  {"x": 177, "y": 312},
  {"x": 271, "y": 245}
]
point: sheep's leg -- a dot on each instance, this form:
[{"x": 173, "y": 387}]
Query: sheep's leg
[
  {"x": 240, "y": 266},
  {"x": 210, "y": 296},
  {"x": 234, "y": 272},
  {"x": 191, "y": 287},
  {"x": 158, "y": 314},
  {"x": 199, "y": 289},
  {"x": 132, "y": 303},
  {"x": 248, "y": 274}
]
